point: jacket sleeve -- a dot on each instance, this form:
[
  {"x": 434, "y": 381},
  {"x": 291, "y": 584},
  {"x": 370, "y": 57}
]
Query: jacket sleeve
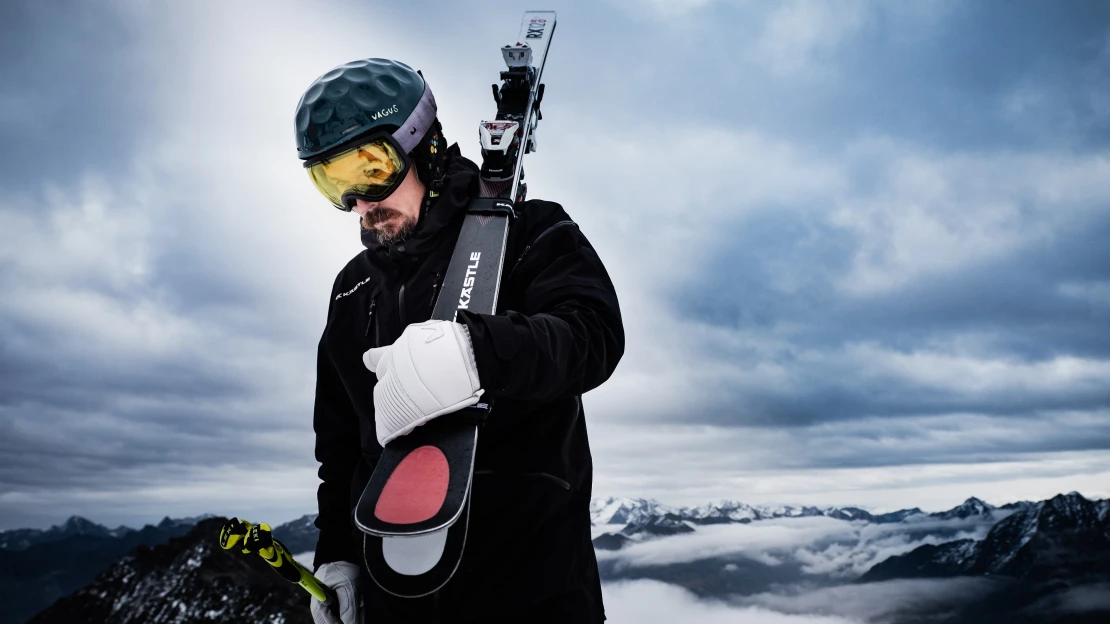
[
  {"x": 567, "y": 336},
  {"x": 338, "y": 451}
]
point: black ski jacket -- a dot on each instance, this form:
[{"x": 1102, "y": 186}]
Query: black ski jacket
[{"x": 556, "y": 335}]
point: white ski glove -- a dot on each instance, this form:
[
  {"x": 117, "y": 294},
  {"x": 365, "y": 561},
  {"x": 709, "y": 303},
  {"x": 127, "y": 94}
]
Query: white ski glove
[
  {"x": 428, "y": 372},
  {"x": 343, "y": 577}
]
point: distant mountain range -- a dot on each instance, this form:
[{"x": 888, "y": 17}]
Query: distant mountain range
[
  {"x": 635, "y": 519},
  {"x": 1043, "y": 558},
  {"x": 39, "y": 566},
  {"x": 299, "y": 535},
  {"x": 1047, "y": 561},
  {"x": 188, "y": 579},
  {"x": 625, "y": 511},
  {"x": 21, "y": 539},
  {"x": 1067, "y": 536},
  {"x": 1032, "y": 551}
]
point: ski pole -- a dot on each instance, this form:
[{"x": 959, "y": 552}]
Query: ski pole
[{"x": 257, "y": 538}]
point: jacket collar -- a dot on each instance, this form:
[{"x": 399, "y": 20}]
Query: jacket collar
[{"x": 460, "y": 184}]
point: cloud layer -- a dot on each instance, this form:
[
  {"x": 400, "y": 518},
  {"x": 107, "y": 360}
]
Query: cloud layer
[{"x": 652, "y": 602}]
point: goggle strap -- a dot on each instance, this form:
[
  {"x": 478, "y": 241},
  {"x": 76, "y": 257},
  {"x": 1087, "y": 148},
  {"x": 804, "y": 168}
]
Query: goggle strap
[{"x": 410, "y": 133}]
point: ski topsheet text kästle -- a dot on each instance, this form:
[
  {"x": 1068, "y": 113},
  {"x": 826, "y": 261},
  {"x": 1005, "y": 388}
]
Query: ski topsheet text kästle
[{"x": 414, "y": 511}]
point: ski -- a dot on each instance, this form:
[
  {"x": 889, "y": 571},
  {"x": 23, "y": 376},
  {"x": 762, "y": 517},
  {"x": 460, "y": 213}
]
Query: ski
[{"x": 414, "y": 511}]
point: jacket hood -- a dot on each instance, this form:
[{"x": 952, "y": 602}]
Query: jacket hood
[{"x": 459, "y": 185}]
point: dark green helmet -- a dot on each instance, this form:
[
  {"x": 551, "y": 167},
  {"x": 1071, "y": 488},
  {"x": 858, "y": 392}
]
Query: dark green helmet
[{"x": 360, "y": 97}]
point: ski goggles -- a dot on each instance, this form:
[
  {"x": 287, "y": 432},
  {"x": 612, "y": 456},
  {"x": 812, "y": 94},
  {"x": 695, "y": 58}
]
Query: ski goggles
[{"x": 371, "y": 170}]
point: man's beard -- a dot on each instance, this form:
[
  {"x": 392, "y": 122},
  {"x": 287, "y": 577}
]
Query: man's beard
[{"x": 392, "y": 233}]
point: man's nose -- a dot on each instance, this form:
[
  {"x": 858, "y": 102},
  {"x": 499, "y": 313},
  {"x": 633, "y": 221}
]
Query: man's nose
[{"x": 362, "y": 206}]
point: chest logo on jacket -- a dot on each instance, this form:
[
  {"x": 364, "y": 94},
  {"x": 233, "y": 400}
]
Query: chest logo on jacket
[
  {"x": 468, "y": 283},
  {"x": 351, "y": 291}
]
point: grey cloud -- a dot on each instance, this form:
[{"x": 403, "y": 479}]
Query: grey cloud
[
  {"x": 74, "y": 93},
  {"x": 822, "y": 550},
  {"x": 953, "y": 79},
  {"x": 1079, "y": 599},
  {"x": 803, "y": 567},
  {"x": 651, "y": 602},
  {"x": 877, "y": 603},
  {"x": 779, "y": 288}
]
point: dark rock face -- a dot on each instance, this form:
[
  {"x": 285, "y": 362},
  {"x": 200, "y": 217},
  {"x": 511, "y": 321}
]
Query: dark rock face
[
  {"x": 610, "y": 541},
  {"x": 928, "y": 561},
  {"x": 1043, "y": 553},
  {"x": 896, "y": 516},
  {"x": 190, "y": 579},
  {"x": 658, "y": 526},
  {"x": 1066, "y": 537},
  {"x": 1059, "y": 538},
  {"x": 60, "y": 561}
]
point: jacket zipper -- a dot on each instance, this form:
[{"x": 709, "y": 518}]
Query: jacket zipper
[
  {"x": 370, "y": 320},
  {"x": 435, "y": 287},
  {"x": 401, "y": 298},
  {"x": 370, "y": 314}
]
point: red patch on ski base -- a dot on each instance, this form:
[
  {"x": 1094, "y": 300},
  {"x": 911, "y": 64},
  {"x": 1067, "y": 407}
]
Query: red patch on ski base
[{"x": 416, "y": 489}]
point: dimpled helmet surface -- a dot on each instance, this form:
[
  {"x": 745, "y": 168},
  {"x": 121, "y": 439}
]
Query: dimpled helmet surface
[{"x": 352, "y": 99}]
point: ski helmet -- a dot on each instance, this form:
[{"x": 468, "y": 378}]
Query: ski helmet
[{"x": 368, "y": 96}]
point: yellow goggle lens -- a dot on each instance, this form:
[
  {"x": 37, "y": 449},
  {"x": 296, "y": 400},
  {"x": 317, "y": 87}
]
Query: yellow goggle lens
[{"x": 372, "y": 169}]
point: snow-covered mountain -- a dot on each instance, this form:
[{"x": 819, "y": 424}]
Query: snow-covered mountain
[
  {"x": 638, "y": 511},
  {"x": 1064, "y": 536},
  {"x": 613, "y": 513},
  {"x": 39, "y": 566},
  {"x": 734, "y": 511},
  {"x": 190, "y": 579},
  {"x": 298, "y": 535},
  {"x": 619, "y": 522},
  {"x": 616, "y": 510},
  {"x": 722, "y": 512},
  {"x": 971, "y": 507}
]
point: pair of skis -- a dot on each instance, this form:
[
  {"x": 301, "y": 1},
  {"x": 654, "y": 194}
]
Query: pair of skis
[{"x": 414, "y": 512}]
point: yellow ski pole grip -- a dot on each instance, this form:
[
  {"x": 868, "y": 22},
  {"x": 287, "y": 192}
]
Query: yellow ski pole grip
[
  {"x": 257, "y": 538},
  {"x": 234, "y": 532}
]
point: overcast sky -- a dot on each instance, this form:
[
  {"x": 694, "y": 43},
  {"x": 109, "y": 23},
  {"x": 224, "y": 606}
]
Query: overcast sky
[{"x": 860, "y": 248}]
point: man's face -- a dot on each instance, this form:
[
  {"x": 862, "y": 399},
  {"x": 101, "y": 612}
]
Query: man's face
[{"x": 394, "y": 218}]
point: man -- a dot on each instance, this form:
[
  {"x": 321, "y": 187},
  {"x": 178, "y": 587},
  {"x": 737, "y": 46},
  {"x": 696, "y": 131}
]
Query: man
[{"x": 369, "y": 137}]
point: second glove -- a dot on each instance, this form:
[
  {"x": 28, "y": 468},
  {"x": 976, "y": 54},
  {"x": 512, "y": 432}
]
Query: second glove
[{"x": 343, "y": 578}]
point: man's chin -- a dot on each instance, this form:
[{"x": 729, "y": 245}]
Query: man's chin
[{"x": 392, "y": 234}]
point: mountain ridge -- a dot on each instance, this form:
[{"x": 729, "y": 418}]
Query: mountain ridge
[
  {"x": 188, "y": 579},
  {"x": 1021, "y": 545}
]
